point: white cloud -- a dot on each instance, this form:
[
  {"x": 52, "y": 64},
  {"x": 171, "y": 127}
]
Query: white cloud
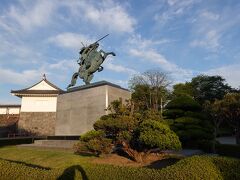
[
  {"x": 209, "y": 15},
  {"x": 18, "y": 51},
  {"x": 230, "y": 72},
  {"x": 62, "y": 65},
  {"x": 175, "y": 9},
  {"x": 29, "y": 15},
  {"x": 209, "y": 28},
  {"x": 21, "y": 78},
  {"x": 157, "y": 58},
  {"x": 70, "y": 40},
  {"x": 142, "y": 43},
  {"x": 119, "y": 68},
  {"x": 209, "y": 41},
  {"x": 107, "y": 15}
]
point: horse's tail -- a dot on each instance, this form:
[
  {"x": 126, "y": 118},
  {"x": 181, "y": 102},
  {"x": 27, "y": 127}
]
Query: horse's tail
[{"x": 74, "y": 80}]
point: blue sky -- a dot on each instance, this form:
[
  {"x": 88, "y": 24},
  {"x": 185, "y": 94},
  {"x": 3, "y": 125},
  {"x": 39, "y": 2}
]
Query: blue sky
[{"x": 183, "y": 38}]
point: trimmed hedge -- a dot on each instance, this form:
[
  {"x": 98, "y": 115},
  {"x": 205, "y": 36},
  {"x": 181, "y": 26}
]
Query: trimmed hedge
[
  {"x": 196, "y": 167},
  {"x": 228, "y": 150},
  {"x": 15, "y": 141},
  {"x": 192, "y": 168},
  {"x": 21, "y": 171},
  {"x": 229, "y": 167}
]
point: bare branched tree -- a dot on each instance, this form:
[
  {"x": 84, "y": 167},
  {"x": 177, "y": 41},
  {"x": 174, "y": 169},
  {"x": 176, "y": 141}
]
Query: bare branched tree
[{"x": 156, "y": 83}]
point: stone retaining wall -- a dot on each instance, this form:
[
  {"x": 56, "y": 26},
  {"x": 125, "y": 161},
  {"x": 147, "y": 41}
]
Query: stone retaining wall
[{"x": 37, "y": 123}]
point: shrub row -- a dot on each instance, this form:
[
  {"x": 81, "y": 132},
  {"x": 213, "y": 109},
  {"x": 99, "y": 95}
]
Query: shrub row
[
  {"x": 228, "y": 150},
  {"x": 196, "y": 167},
  {"x": 15, "y": 141},
  {"x": 13, "y": 170}
]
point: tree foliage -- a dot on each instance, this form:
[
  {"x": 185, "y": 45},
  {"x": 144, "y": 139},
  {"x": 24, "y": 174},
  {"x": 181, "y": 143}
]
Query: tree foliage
[
  {"x": 183, "y": 89},
  {"x": 203, "y": 88},
  {"x": 209, "y": 88},
  {"x": 230, "y": 111}
]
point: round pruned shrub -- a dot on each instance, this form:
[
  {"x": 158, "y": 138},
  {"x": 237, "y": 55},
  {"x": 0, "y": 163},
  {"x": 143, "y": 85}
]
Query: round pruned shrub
[
  {"x": 95, "y": 142},
  {"x": 187, "y": 120},
  {"x": 184, "y": 103},
  {"x": 92, "y": 135},
  {"x": 173, "y": 113},
  {"x": 155, "y": 134}
]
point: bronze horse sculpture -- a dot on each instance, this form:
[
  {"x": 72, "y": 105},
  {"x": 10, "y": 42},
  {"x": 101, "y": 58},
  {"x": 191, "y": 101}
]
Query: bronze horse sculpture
[{"x": 90, "y": 61}]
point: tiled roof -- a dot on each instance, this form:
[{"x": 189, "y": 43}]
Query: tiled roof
[
  {"x": 10, "y": 105},
  {"x": 26, "y": 91}
]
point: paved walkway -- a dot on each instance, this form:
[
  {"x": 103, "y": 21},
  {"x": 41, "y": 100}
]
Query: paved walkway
[
  {"x": 227, "y": 140},
  {"x": 186, "y": 152}
]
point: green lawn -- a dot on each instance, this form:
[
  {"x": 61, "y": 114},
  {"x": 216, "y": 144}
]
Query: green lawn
[
  {"x": 41, "y": 157},
  {"x": 31, "y": 163}
]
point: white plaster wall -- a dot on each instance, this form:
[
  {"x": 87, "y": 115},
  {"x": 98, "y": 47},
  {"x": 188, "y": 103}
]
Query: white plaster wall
[
  {"x": 14, "y": 110},
  {"x": 39, "y": 104},
  {"x": 42, "y": 86},
  {"x": 10, "y": 110},
  {"x": 3, "y": 110}
]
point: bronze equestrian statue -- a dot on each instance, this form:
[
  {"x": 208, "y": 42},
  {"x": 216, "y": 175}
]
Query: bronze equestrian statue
[{"x": 90, "y": 61}]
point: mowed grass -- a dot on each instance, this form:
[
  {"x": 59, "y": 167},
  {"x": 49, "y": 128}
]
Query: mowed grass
[
  {"x": 41, "y": 157},
  {"x": 31, "y": 163}
]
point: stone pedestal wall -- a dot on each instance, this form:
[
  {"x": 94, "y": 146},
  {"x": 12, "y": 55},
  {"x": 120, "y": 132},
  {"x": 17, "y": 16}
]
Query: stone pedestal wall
[
  {"x": 80, "y": 107},
  {"x": 37, "y": 123}
]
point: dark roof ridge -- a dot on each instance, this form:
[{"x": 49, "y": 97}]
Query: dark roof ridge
[
  {"x": 10, "y": 105},
  {"x": 95, "y": 84},
  {"x": 45, "y": 79}
]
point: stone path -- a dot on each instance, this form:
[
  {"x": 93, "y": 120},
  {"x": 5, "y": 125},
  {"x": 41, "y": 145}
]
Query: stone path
[
  {"x": 64, "y": 144},
  {"x": 186, "y": 152},
  {"x": 227, "y": 140}
]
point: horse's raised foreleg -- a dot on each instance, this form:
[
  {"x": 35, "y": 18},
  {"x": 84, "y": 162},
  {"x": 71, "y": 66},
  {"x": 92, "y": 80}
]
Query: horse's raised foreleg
[
  {"x": 74, "y": 80},
  {"x": 105, "y": 54}
]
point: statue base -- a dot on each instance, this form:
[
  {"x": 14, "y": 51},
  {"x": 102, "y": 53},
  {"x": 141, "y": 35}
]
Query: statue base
[{"x": 80, "y": 107}]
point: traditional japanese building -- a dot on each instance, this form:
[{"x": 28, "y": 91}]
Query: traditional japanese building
[
  {"x": 38, "y": 108},
  {"x": 10, "y": 109}
]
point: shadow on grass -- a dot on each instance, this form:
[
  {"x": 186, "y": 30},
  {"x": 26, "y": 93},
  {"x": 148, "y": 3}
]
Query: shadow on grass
[
  {"x": 162, "y": 163},
  {"x": 26, "y": 164},
  {"x": 86, "y": 154},
  {"x": 70, "y": 173}
]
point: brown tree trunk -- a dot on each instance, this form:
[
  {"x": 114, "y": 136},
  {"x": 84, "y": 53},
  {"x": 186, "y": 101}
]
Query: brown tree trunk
[{"x": 135, "y": 155}]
